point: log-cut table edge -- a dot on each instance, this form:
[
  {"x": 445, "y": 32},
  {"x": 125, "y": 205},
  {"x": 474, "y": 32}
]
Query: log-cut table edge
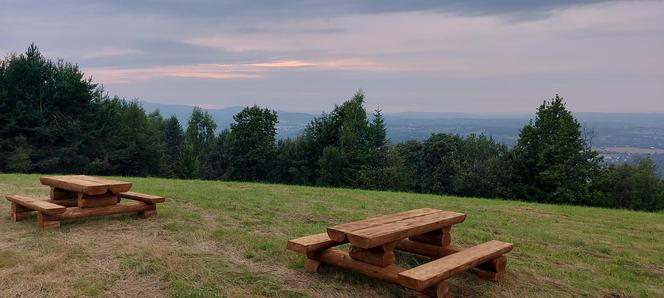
[
  {"x": 86, "y": 184},
  {"x": 377, "y": 231}
]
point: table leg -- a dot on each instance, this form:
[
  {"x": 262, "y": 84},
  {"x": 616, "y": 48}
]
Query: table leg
[
  {"x": 381, "y": 256},
  {"x": 441, "y": 237},
  {"x": 61, "y": 194}
]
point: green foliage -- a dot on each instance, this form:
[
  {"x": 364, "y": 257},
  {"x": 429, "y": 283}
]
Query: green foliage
[
  {"x": 173, "y": 139},
  {"x": 53, "y": 119},
  {"x": 250, "y": 145},
  {"x": 200, "y": 138},
  {"x": 634, "y": 187},
  {"x": 551, "y": 161},
  {"x": 19, "y": 159}
]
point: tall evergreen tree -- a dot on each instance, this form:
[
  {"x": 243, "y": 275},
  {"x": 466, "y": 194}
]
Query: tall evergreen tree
[
  {"x": 174, "y": 137},
  {"x": 551, "y": 161},
  {"x": 200, "y": 137},
  {"x": 250, "y": 147}
]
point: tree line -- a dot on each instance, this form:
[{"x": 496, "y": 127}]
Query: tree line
[{"x": 55, "y": 120}]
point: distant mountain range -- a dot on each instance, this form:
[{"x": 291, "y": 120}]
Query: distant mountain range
[{"x": 640, "y": 130}]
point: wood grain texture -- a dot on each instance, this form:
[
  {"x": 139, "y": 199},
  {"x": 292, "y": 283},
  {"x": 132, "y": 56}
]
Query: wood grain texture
[
  {"x": 114, "y": 186},
  {"x": 85, "y": 184},
  {"x": 76, "y": 212},
  {"x": 61, "y": 194},
  {"x": 427, "y": 275},
  {"x": 381, "y": 256},
  {"x": 312, "y": 243},
  {"x": 74, "y": 184},
  {"x": 45, "y": 221},
  {"x": 338, "y": 232},
  {"x": 87, "y": 201},
  {"x": 19, "y": 213},
  {"x": 311, "y": 265},
  {"x": 339, "y": 258},
  {"x": 494, "y": 265},
  {"x": 37, "y": 205},
  {"x": 145, "y": 198},
  {"x": 401, "y": 229}
]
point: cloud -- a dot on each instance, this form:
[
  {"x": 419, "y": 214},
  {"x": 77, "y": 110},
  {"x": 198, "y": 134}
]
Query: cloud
[
  {"x": 107, "y": 52},
  {"x": 117, "y": 75}
]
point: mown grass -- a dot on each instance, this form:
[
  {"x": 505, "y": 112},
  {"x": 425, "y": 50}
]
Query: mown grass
[{"x": 215, "y": 239}]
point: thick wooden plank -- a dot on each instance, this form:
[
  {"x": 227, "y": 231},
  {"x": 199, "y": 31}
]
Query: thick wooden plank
[
  {"x": 74, "y": 184},
  {"x": 115, "y": 186},
  {"x": 37, "y": 205},
  {"x": 429, "y": 274},
  {"x": 45, "y": 221},
  {"x": 145, "y": 198},
  {"x": 433, "y": 251},
  {"x": 311, "y": 265},
  {"x": 76, "y": 212},
  {"x": 73, "y": 202},
  {"x": 312, "y": 243},
  {"x": 381, "y": 256},
  {"x": 339, "y": 258},
  {"x": 425, "y": 249},
  {"x": 86, "y": 201},
  {"x": 61, "y": 194},
  {"x": 19, "y": 213},
  {"x": 391, "y": 232},
  {"x": 441, "y": 237},
  {"x": 338, "y": 232}
]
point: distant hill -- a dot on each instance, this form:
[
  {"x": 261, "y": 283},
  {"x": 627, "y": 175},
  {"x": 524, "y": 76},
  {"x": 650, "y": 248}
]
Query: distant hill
[
  {"x": 619, "y": 137},
  {"x": 642, "y": 130}
]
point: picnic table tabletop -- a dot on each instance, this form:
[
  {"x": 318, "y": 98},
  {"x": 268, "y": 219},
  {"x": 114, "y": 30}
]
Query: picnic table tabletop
[
  {"x": 86, "y": 184},
  {"x": 381, "y": 230}
]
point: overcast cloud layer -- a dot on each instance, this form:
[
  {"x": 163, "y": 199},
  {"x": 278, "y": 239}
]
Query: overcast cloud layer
[{"x": 447, "y": 56}]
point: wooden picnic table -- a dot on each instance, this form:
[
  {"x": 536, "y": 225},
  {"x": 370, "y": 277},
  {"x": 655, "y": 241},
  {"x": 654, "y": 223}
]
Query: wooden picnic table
[
  {"x": 423, "y": 231},
  {"x": 76, "y": 196}
]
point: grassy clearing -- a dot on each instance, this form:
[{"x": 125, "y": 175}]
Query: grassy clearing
[{"x": 221, "y": 239}]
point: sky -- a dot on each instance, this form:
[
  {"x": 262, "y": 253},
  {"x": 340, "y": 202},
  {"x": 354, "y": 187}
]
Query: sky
[{"x": 476, "y": 56}]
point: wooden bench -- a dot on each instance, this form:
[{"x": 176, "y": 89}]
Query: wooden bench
[
  {"x": 434, "y": 272},
  {"x": 423, "y": 231},
  {"x": 145, "y": 198}
]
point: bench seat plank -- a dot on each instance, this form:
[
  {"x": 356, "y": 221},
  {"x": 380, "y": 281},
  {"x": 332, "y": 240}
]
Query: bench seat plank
[
  {"x": 312, "y": 243},
  {"x": 394, "y": 231},
  {"x": 339, "y": 232},
  {"x": 37, "y": 205},
  {"x": 427, "y": 275},
  {"x": 145, "y": 198}
]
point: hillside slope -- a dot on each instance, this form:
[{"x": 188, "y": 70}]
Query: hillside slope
[{"x": 228, "y": 239}]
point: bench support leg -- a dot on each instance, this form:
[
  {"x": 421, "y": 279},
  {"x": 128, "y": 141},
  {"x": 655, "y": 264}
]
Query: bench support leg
[
  {"x": 441, "y": 290},
  {"x": 492, "y": 270},
  {"x": 149, "y": 213},
  {"x": 311, "y": 265},
  {"x": 19, "y": 213},
  {"x": 46, "y": 222}
]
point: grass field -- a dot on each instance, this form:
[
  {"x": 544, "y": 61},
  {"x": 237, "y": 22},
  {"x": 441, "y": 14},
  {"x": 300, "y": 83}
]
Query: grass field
[{"x": 228, "y": 239}]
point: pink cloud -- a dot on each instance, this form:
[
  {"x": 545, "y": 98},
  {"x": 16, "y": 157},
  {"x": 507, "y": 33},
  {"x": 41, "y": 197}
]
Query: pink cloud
[
  {"x": 112, "y": 52},
  {"x": 222, "y": 71}
]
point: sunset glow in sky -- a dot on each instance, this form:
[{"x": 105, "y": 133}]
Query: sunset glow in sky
[{"x": 446, "y": 56}]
